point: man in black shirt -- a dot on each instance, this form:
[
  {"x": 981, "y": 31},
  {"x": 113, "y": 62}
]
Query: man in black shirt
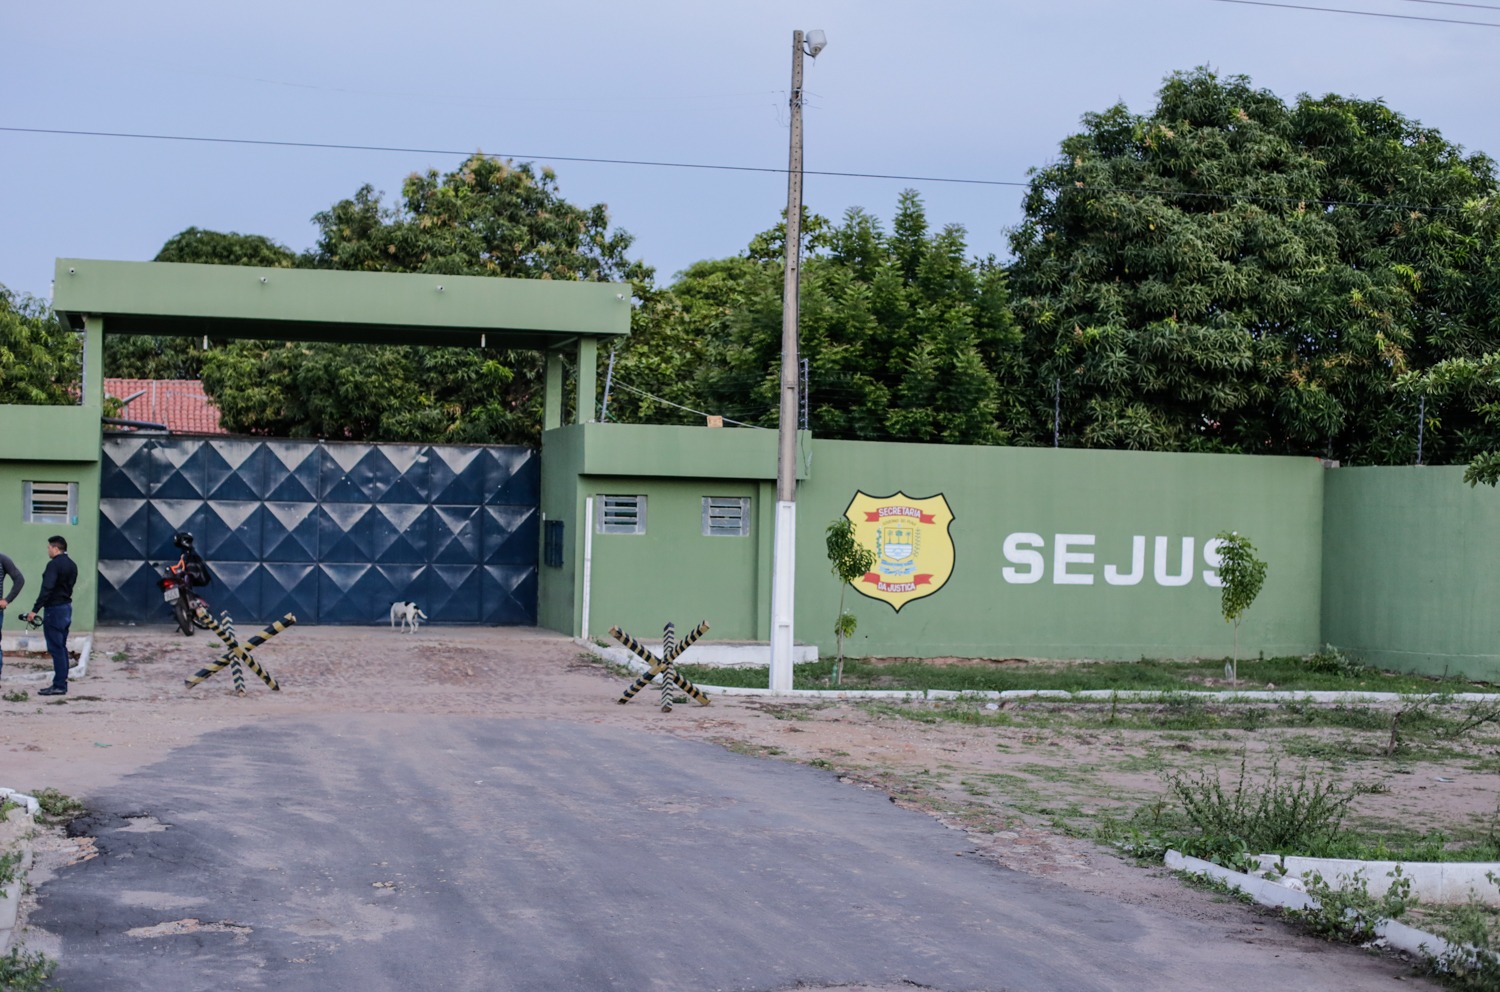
[
  {"x": 57, "y": 599},
  {"x": 17, "y": 580}
]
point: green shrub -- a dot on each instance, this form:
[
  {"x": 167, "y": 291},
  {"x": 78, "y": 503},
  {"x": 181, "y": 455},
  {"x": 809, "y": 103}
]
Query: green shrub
[
  {"x": 1349, "y": 913},
  {"x": 1294, "y": 815},
  {"x": 23, "y": 972}
]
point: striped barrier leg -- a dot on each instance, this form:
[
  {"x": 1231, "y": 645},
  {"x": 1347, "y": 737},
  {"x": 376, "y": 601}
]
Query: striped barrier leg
[
  {"x": 206, "y": 671},
  {"x": 671, "y": 670},
  {"x": 258, "y": 639},
  {"x": 642, "y": 652},
  {"x": 265, "y": 676},
  {"x": 668, "y": 651},
  {"x": 227, "y": 622},
  {"x": 687, "y": 641},
  {"x": 687, "y": 686}
]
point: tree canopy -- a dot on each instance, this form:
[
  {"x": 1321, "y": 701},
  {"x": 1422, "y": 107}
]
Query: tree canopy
[
  {"x": 1229, "y": 271},
  {"x": 1234, "y": 273},
  {"x": 40, "y": 359},
  {"x": 904, "y": 336},
  {"x": 487, "y": 217}
]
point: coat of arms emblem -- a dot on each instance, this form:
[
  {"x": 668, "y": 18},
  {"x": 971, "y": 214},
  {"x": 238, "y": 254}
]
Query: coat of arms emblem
[{"x": 912, "y": 544}]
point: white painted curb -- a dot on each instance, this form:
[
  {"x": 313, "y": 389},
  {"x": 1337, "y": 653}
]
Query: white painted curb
[
  {"x": 628, "y": 659},
  {"x": 1270, "y": 893},
  {"x": 82, "y": 643},
  {"x": 15, "y": 834},
  {"x": 1431, "y": 881}
]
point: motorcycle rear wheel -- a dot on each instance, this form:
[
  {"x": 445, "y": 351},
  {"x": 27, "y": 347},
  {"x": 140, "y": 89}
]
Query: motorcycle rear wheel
[{"x": 184, "y": 617}]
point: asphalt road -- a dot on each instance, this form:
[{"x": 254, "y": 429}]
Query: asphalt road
[{"x": 376, "y": 852}]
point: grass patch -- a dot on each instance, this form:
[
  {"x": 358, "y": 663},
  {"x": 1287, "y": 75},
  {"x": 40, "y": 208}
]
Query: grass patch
[
  {"x": 57, "y": 806},
  {"x": 8, "y": 862}
]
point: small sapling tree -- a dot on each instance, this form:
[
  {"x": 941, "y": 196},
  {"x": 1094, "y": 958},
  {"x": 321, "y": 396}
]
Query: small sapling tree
[
  {"x": 1242, "y": 575},
  {"x": 850, "y": 560}
]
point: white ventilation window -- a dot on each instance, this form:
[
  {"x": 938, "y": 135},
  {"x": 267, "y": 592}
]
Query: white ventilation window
[
  {"x": 49, "y": 502},
  {"x": 622, "y": 515},
  {"x": 726, "y": 516}
]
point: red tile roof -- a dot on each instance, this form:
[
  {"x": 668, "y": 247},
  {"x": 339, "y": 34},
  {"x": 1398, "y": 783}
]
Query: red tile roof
[{"x": 180, "y": 404}]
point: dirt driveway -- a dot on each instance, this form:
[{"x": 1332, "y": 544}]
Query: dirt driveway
[{"x": 1005, "y": 784}]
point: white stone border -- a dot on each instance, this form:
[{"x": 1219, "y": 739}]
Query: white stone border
[
  {"x": 15, "y": 833},
  {"x": 1268, "y": 892},
  {"x": 628, "y": 659},
  {"x": 82, "y": 643}
]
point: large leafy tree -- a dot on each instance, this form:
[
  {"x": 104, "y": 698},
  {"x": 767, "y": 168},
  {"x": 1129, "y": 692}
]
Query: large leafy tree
[
  {"x": 40, "y": 359},
  {"x": 905, "y": 336},
  {"x": 487, "y": 217},
  {"x": 1233, "y": 273}
]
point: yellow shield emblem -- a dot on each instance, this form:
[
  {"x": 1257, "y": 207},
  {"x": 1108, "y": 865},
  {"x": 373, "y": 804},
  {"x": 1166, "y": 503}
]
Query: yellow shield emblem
[{"x": 912, "y": 544}]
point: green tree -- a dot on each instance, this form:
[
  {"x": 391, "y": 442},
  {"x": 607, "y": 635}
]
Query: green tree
[
  {"x": 149, "y": 356},
  {"x": 674, "y": 341},
  {"x": 487, "y": 217},
  {"x": 40, "y": 359},
  {"x": 1233, "y": 273},
  {"x": 904, "y": 336},
  {"x": 850, "y": 561},
  {"x": 1471, "y": 384},
  {"x": 1242, "y": 575}
]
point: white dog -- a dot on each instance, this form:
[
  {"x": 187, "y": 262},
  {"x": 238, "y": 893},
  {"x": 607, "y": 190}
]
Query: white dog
[{"x": 408, "y": 615}]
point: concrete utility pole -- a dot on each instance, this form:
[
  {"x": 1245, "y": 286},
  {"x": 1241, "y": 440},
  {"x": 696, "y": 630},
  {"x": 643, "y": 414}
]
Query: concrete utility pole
[{"x": 783, "y": 562}]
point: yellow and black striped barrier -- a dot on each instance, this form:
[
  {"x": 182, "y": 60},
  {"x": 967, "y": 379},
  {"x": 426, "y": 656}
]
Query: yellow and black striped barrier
[
  {"x": 238, "y": 652},
  {"x": 662, "y": 666}
]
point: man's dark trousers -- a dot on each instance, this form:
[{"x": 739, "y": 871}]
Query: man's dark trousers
[{"x": 55, "y": 623}]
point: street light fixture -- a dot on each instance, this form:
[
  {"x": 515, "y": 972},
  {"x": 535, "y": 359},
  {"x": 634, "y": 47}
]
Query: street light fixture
[{"x": 783, "y": 560}]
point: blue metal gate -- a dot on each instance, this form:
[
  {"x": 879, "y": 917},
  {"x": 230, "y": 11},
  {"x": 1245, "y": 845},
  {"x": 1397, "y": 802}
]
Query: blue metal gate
[{"x": 333, "y": 532}]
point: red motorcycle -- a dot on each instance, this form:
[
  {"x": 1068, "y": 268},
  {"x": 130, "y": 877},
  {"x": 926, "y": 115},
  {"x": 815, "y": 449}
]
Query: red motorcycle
[{"x": 178, "y": 586}]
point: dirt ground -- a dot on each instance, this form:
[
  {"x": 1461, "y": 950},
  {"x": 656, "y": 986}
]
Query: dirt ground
[{"x": 1013, "y": 788}]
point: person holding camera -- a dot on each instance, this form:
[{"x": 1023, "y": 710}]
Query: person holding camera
[{"x": 56, "y": 599}]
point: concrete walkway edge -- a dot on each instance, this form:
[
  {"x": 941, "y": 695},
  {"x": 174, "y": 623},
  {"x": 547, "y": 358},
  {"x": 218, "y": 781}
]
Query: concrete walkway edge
[
  {"x": 1267, "y": 892},
  {"x": 15, "y": 836}
]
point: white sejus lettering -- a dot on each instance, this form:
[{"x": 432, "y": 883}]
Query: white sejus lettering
[
  {"x": 1137, "y": 565},
  {"x": 1063, "y": 556},
  {"x": 1018, "y": 551},
  {"x": 1073, "y": 560},
  {"x": 1213, "y": 561}
]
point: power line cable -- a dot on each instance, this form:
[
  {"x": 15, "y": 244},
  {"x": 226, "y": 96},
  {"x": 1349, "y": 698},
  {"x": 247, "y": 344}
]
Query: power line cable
[
  {"x": 1456, "y": 3},
  {"x": 689, "y": 409},
  {"x": 588, "y": 160},
  {"x": 780, "y": 170},
  {"x": 1362, "y": 13}
]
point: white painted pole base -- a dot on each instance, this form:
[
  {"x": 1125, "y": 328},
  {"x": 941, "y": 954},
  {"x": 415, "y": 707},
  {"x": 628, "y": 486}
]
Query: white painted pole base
[
  {"x": 783, "y": 595},
  {"x": 588, "y": 561}
]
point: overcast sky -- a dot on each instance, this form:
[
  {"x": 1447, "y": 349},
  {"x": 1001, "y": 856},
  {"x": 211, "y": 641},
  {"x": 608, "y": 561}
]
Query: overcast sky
[{"x": 963, "y": 90}]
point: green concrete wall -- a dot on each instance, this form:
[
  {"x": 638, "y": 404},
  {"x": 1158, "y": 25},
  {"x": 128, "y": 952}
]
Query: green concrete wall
[
  {"x": 27, "y": 542},
  {"x": 558, "y": 588},
  {"x": 1411, "y": 580},
  {"x": 56, "y": 444},
  {"x": 1109, "y": 496},
  {"x": 1103, "y": 499}
]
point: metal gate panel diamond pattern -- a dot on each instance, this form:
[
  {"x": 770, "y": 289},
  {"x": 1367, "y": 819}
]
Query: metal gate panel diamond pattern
[{"x": 332, "y": 532}]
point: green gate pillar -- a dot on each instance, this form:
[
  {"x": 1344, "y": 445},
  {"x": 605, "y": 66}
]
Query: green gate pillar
[
  {"x": 588, "y": 372},
  {"x": 552, "y": 396}
]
